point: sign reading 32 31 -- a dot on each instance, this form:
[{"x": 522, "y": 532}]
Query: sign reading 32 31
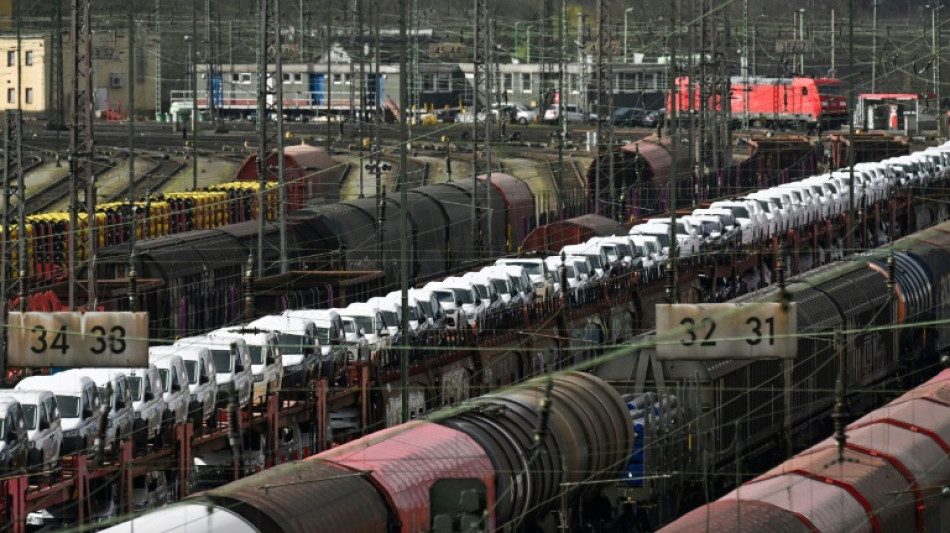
[
  {"x": 73, "y": 339},
  {"x": 726, "y": 331}
]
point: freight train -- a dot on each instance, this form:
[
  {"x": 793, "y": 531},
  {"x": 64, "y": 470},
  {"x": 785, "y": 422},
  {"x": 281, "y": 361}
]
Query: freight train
[
  {"x": 890, "y": 473},
  {"x": 770, "y": 102},
  {"x": 506, "y": 462},
  {"x": 877, "y": 319}
]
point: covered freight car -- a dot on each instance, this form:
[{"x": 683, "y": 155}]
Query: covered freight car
[{"x": 310, "y": 174}]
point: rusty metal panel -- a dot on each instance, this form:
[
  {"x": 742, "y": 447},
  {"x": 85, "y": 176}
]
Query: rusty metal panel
[
  {"x": 404, "y": 461},
  {"x": 519, "y": 204},
  {"x": 554, "y": 236},
  {"x": 308, "y": 496},
  {"x": 74, "y": 339},
  {"x": 827, "y": 507},
  {"x": 741, "y": 517}
]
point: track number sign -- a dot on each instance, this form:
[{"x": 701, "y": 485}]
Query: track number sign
[
  {"x": 726, "y": 331},
  {"x": 73, "y": 339}
]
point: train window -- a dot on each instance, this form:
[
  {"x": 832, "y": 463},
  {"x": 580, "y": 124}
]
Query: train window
[{"x": 804, "y": 91}]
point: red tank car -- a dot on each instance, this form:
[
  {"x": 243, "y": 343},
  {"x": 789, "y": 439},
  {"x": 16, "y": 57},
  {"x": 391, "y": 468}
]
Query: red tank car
[{"x": 773, "y": 102}]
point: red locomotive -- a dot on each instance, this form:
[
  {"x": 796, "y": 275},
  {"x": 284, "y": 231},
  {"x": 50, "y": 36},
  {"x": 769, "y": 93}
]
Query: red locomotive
[{"x": 774, "y": 102}]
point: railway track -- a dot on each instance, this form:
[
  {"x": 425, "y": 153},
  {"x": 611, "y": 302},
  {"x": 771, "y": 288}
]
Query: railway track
[
  {"x": 164, "y": 169},
  {"x": 44, "y": 199}
]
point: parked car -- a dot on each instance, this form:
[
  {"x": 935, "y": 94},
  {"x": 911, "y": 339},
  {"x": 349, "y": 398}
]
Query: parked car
[
  {"x": 357, "y": 347},
  {"x": 537, "y": 271},
  {"x": 455, "y": 319},
  {"x": 297, "y": 336},
  {"x": 202, "y": 384},
  {"x": 628, "y": 117},
  {"x": 149, "y": 491},
  {"x": 652, "y": 118},
  {"x": 572, "y": 113},
  {"x": 171, "y": 368},
  {"x": 525, "y": 115},
  {"x": 44, "y": 429},
  {"x": 13, "y": 436},
  {"x": 148, "y": 403},
  {"x": 121, "y": 417},
  {"x": 267, "y": 367},
  {"x": 77, "y": 399},
  {"x": 232, "y": 366},
  {"x": 328, "y": 338}
]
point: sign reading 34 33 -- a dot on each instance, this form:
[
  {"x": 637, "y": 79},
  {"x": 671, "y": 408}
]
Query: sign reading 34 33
[
  {"x": 726, "y": 331},
  {"x": 73, "y": 339}
]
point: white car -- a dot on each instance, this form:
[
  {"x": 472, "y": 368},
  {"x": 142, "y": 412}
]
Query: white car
[
  {"x": 121, "y": 416},
  {"x": 232, "y": 366},
  {"x": 267, "y": 365},
  {"x": 575, "y": 283},
  {"x": 753, "y": 224},
  {"x": 455, "y": 319},
  {"x": 473, "y": 306},
  {"x": 148, "y": 402},
  {"x": 572, "y": 113},
  {"x": 77, "y": 399},
  {"x": 44, "y": 429},
  {"x": 688, "y": 242},
  {"x": 171, "y": 368},
  {"x": 297, "y": 336},
  {"x": 537, "y": 271}
]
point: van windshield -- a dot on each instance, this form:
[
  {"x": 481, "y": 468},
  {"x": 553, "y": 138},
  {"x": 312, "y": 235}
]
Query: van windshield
[
  {"x": 445, "y": 296},
  {"x": 29, "y": 413},
  {"x": 323, "y": 334},
  {"x": 68, "y": 406},
  {"x": 163, "y": 372},
  {"x": 365, "y": 323},
  {"x": 349, "y": 326},
  {"x": 222, "y": 360},
  {"x": 501, "y": 285},
  {"x": 482, "y": 290},
  {"x": 426, "y": 307},
  {"x": 135, "y": 385},
  {"x": 389, "y": 318},
  {"x": 257, "y": 354},
  {"x": 533, "y": 269},
  {"x": 292, "y": 344},
  {"x": 192, "y": 368},
  {"x": 464, "y": 296}
]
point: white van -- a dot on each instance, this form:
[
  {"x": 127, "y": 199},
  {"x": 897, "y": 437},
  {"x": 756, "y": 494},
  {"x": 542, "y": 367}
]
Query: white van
[
  {"x": 232, "y": 366},
  {"x": 148, "y": 403},
  {"x": 44, "y": 429},
  {"x": 326, "y": 340},
  {"x": 13, "y": 437},
  {"x": 541, "y": 279},
  {"x": 202, "y": 384},
  {"x": 267, "y": 365},
  {"x": 297, "y": 336},
  {"x": 120, "y": 412},
  {"x": 171, "y": 368},
  {"x": 454, "y": 316},
  {"x": 78, "y": 401}
]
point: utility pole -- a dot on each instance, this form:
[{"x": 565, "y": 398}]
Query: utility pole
[
  {"x": 131, "y": 144},
  {"x": 329, "y": 83},
  {"x": 481, "y": 109},
  {"x": 270, "y": 98},
  {"x": 873, "y": 46},
  {"x": 194, "y": 95},
  {"x": 604, "y": 99},
  {"x": 57, "y": 114},
  {"x": 561, "y": 132},
  {"x": 81, "y": 151},
  {"x": 403, "y": 222},
  {"x": 415, "y": 86},
  {"x": 671, "y": 282},
  {"x": 582, "y": 59},
  {"x": 12, "y": 173},
  {"x": 211, "y": 60},
  {"x": 745, "y": 65},
  {"x": 157, "y": 43},
  {"x": 849, "y": 242},
  {"x": 378, "y": 145},
  {"x": 362, "y": 86}
]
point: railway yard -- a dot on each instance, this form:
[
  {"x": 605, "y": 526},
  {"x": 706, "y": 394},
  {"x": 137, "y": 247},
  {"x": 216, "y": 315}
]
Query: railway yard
[{"x": 532, "y": 366}]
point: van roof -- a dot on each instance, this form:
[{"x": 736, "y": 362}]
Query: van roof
[
  {"x": 62, "y": 382},
  {"x": 25, "y": 396},
  {"x": 286, "y": 322},
  {"x": 186, "y": 352}
]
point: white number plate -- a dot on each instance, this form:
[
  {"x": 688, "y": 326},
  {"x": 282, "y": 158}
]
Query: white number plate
[
  {"x": 726, "y": 331},
  {"x": 73, "y": 339}
]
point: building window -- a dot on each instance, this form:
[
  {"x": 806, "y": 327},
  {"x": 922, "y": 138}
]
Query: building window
[
  {"x": 298, "y": 77},
  {"x": 28, "y": 58},
  {"x": 245, "y": 78},
  {"x": 428, "y": 83},
  {"x": 29, "y": 95},
  {"x": 508, "y": 81},
  {"x": 11, "y": 58},
  {"x": 337, "y": 79},
  {"x": 445, "y": 83},
  {"x": 235, "y": 77},
  {"x": 11, "y": 96},
  {"x": 525, "y": 82}
]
